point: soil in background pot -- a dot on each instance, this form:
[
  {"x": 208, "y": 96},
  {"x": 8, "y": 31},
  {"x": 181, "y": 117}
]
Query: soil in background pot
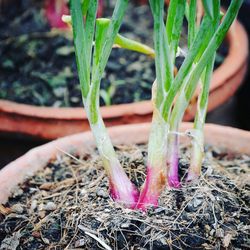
[
  {"x": 67, "y": 205},
  {"x": 38, "y": 67},
  {"x": 22, "y": 17}
]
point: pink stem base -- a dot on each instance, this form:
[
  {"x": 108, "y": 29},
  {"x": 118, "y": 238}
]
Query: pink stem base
[
  {"x": 173, "y": 166},
  {"x": 128, "y": 199},
  {"x": 152, "y": 188},
  {"x": 122, "y": 189},
  {"x": 174, "y": 182},
  {"x": 173, "y": 179}
]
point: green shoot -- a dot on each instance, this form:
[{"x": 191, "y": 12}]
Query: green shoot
[
  {"x": 171, "y": 93},
  {"x": 173, "y": 98},
  {"x": 90, "y": 70}
]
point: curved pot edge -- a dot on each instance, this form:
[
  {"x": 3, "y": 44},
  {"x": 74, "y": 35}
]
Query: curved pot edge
[{"x": 229, "y": 138}]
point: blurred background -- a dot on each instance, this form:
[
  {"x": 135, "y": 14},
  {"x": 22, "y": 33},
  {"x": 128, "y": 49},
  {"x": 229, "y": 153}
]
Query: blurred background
[
  {"x": 236, "y": 111},
  {"x": 37, "y": 66}
]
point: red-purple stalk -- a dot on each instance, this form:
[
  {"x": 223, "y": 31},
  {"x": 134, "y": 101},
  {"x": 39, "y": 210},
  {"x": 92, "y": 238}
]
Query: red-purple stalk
[
  {"x": 100, "y": 8},
  {"x": 123, "y": 191},
  {"x": 152, "y": 188},
  {"x": 55, "y": 9},
  {"x": 156, "y": 163},
  {"x": 121, "y": 188},
  {"x": 173, "y": 162}
]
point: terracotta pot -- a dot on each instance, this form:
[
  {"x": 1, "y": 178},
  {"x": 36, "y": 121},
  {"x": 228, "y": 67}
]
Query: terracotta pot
[
  {"x": 80, "y": 144},
  {"x": 51, "y": 123}
]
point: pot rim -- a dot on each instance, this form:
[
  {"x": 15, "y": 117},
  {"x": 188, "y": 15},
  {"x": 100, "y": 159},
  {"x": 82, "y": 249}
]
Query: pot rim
[
  {"x": 231, "y": 139},
  {"x": 233, "y": 63}
]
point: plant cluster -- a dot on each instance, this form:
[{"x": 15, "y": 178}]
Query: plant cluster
[{"x": 171, "y": 92}]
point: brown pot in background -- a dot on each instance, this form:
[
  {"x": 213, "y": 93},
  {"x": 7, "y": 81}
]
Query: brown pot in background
[
  {"x": 50, "y": 123},
  {"x": 14, "y": 173}
]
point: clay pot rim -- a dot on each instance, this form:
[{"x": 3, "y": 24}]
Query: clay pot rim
[
  {"x": 232, "y": 139},
  {"x": 233, "y": 63}
]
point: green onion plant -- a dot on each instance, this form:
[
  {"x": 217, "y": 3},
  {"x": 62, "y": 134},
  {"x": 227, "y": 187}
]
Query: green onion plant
[{"x": 171, "y": 93}]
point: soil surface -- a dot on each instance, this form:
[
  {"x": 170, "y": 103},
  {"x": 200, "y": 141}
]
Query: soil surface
[
  {"x": 38, "y": 65},
  {"x": 23, "y": 17},
  {"x": 67, "y": 206}
]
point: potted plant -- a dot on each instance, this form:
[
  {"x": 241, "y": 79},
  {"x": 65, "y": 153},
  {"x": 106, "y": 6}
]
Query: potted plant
[
  {"x": 53, "y": 122},
  {"x": 67, "y": 204},
  {"x": 71, "y": 220}
]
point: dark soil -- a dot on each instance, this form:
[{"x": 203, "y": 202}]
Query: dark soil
[
  {"x": 67, "y": 206},
  {"x": 22, "y": 17},
  {"x": 38, "y": 66}
]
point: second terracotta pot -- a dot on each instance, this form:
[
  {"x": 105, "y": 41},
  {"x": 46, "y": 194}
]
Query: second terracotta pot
[{"x": 50, "y": 123}]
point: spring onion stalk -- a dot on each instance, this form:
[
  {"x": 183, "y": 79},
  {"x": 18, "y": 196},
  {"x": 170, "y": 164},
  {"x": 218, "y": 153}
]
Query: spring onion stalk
[
  {"x": 205, "y": 62},
  {"x": 191, "y": 10},
  {"x": 206, "y": 58},
  {"x": 183, "y": 100},
  {"x": 120, "y": 41},
  {"x": 203, "y": 41},
  {"x": 197, "y": 133},
  {"x": 156, "y": 172},
  {"x": 156, "y": 162},
  {"x": 166, "y": 40},
  {"x": 171, "y": 94},
  {"x": 130, "y": 44},
  {"x": 213, "y": 45},
  {"x": 90, "y": 69},
  {"x": 172, "y": 153}
]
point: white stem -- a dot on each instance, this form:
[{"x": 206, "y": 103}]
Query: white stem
[
  {"x": 121, "y": 187},
  {"x": 158, "y": 138},
  {"x": 158, "y": 141},
  {"x": 196, "y": 154}
]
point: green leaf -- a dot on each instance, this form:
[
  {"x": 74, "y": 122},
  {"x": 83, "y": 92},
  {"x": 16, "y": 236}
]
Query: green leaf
[
  {"x": 163, "y": 60},
  {"x": 102, "y": 25},
  {"x": 105, "y": 47},
  {"x": 85, "y": 6},
  {"x": 209, "y": 7},
  {"x": 121, "y": 41},
  {"x": 130, "y": 44},
  {"x": 213, "y": 26},
  {"x": 109, "y": 38},
  {"x": 80, "y": 46},
  {"x": 212, "y": 46},
  {"x": 191, "y": 21},
  {"x": 174, "y": 23},
  {"x": 186, "y": 66},
  {"x": 90, "y": 29}
]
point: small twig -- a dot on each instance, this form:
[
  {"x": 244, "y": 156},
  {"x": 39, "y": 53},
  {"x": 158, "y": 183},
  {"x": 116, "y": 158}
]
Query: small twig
[
  {"x": 95, "y": 237},
  {"x": 85, "y": 229},
  {"x": 215, "y": 219},
  {"x": 98, "y": 179},
  {"x": 70, "y": 155},
  {"x": 38, "y": 225},
  {"x": 50, "y": 196}
]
